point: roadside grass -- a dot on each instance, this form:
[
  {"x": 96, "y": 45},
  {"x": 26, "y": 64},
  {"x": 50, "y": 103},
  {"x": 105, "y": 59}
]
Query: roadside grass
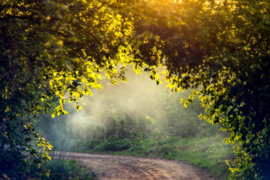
[
  {"x": 208, "y": 153},
  {"x": 66, "y": 169}
]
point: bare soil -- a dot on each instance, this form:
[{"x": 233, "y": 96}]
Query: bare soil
[{"x": 115, "y": 167}]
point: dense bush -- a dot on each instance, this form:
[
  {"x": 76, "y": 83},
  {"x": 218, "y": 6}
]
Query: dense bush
[
  {"x": 67, "y": 169},
  {"x": 13, "y": 165},
  {"x": 56, "y": 169},
  {"x": 116, "y": 145}
]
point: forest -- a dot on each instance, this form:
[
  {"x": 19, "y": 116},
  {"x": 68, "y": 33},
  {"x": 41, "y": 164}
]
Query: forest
[{"x": 184, "y": 80}]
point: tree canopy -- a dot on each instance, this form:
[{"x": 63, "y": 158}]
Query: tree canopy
[{"x": 218, "y": 48}]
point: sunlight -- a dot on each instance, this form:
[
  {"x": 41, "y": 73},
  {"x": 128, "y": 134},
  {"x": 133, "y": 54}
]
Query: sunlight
[{"x": 216, "y": 1}]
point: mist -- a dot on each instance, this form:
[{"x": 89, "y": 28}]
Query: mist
[
  {"x": 138, "y": 108},
  {"x": 139, "y": 118}
]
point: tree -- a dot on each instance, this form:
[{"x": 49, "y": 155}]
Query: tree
[
  {"x": 49, "y": 48},
  {"x": 219, "y": 48},
  {"x": 222, "y": 48}
]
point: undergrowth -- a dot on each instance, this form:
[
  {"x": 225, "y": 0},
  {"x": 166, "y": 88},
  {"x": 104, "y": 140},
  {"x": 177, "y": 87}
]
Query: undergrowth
[{"x": 66, "y": 169}]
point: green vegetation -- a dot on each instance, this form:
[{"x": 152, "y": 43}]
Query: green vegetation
[
  {"x": 66, "y": 169},
  {"x": 53, "y": 49},
  {"x": 53, "y": 170}
]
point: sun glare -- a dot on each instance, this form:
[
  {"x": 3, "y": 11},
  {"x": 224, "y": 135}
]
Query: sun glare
[{"x": 216, "y": 1}]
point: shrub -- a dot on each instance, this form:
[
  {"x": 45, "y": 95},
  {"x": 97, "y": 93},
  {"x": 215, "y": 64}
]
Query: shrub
[{"x": 66, "y": 169}]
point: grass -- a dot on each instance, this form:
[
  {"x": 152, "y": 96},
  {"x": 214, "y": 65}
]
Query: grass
[
  {"x": 209, "y": 153},
  {"x": 66, "y": 169}
]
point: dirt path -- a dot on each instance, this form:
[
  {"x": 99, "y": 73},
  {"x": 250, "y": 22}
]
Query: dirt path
[{"x": 114, "y": 167}]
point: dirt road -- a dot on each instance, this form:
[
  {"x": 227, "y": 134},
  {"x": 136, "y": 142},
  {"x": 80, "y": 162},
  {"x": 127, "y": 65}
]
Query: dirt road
[{"x": 114, "y": 167}]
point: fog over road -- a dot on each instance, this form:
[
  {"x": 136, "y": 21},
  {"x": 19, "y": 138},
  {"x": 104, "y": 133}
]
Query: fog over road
[{"x": 115, "y": 167}]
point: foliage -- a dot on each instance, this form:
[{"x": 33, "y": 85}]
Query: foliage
[
  {"x": 66, "y": 169},
  {"x": 49, "y": 48},
  {"x": 13, "y": 165},
  {"x": 54, "y": 169},
  {"x": 222, "y": 47}
]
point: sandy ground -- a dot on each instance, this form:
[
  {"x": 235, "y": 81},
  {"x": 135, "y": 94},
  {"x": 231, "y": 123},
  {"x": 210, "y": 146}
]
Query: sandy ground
[{"x": 115, "y": 167}]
